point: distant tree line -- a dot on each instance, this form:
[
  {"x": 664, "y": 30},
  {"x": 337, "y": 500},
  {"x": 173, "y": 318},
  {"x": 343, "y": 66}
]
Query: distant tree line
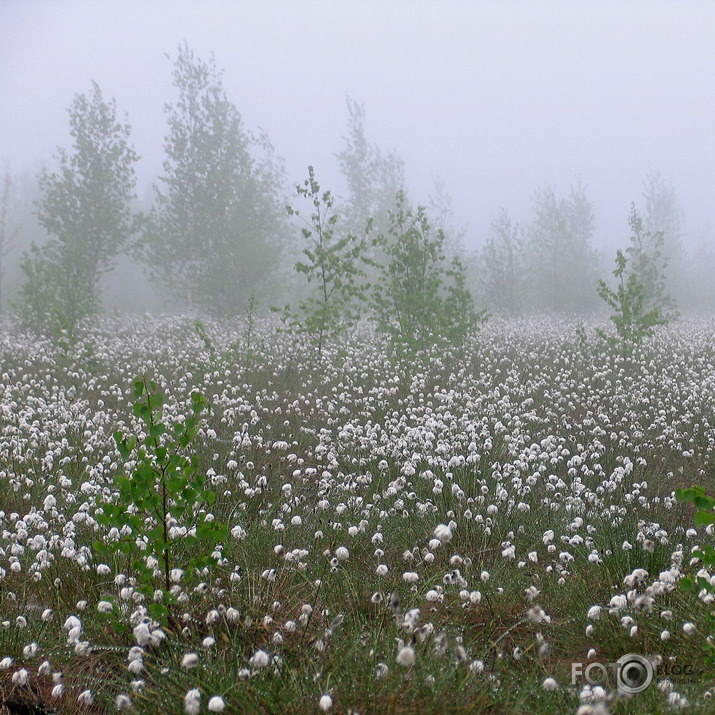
[
  {"x": 216, "y": 231},
  {"x": 549, "y": 264}
]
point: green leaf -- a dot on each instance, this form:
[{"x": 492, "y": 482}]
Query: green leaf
[
  {"x": 703, "y": 518},
  {"x": 689, "y": 494},
  {"x": 141, "y": 410},
  {"x": 189, "y": 495},
  {"x": 208, "y": 496},
  {"x": 704, "y": 502},
  {"x": 122, "y": 447},
  {"x": 158, "y": 429},
  {"x": 156, "y": 400},
  {"x": 205, "y": 532},
  {"x": 687, "y": 583},
  {"x": 158, "y": 611}
]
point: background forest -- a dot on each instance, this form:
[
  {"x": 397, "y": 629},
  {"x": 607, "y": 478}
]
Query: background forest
[{"x": 221, "y": 227}]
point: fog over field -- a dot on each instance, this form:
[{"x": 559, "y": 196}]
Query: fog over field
[
  {"x": 496, "y": 98},
  {"x": 357, "y": 357}
]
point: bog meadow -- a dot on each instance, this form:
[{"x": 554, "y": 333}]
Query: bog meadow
[
  {"x": 332, "y": 460},
  {"x": 352, "y": 533}
]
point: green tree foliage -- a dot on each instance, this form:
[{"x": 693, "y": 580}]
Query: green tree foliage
[
  {"x": 700, "y": 269},
  {"x": 562, "y": 264},
  {"x": 8, "y": 232},
  {"x": 419, "y": 299},
  {"x": 500, "y": 267},
  {"x": 373, "y": 178},
  {"x": 649, "y": 262},
  {"x": 163, "y": 502},
  {"x": 217, "y": 225},
  {"x": 85, "y": 207},
  {"x": 633, "y": 316},
  {"x": 663, "y": 213},
  {"x": 640, "y": 301},
  {"x": 441, "y": 213},
  {"x": 37, "y": 303},
  {"x": 332, "y": 266},
  {"x": 704, "y": 516},
  {"x": 662, "y": 231}
]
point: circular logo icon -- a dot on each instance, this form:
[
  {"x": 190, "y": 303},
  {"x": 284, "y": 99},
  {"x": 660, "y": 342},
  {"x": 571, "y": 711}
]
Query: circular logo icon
[{"x": 634, "y": 673}]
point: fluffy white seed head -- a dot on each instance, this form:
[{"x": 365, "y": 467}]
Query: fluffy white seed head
[
  {"x": 406, "y": 656},
  {"x": 443, "y": 533},
  {"x": 216, "y": 704}
]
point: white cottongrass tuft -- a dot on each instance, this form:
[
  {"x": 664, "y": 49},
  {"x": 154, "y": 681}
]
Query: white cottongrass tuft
[
  {"x": 192, "y": 702},
  {"x": 216, "y": 704},
  {"x": 406, "y": 656},
  {"x": 20, "y": 677},
  {"x": 189, "y": 660},
  {"x": 72, "y": 622},
  {"x": 122, "y": 702},
  {"x": 325, "y": 703},
  {"x": 443, "y": 533},
  {"x": 260, "y": 659},
  {"x": 135, "y": 667}
]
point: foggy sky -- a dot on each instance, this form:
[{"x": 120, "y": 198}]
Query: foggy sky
[{"x": 496, "y": 98}]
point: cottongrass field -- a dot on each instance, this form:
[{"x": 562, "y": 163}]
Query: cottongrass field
[{"x": 448, "y": 534}]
